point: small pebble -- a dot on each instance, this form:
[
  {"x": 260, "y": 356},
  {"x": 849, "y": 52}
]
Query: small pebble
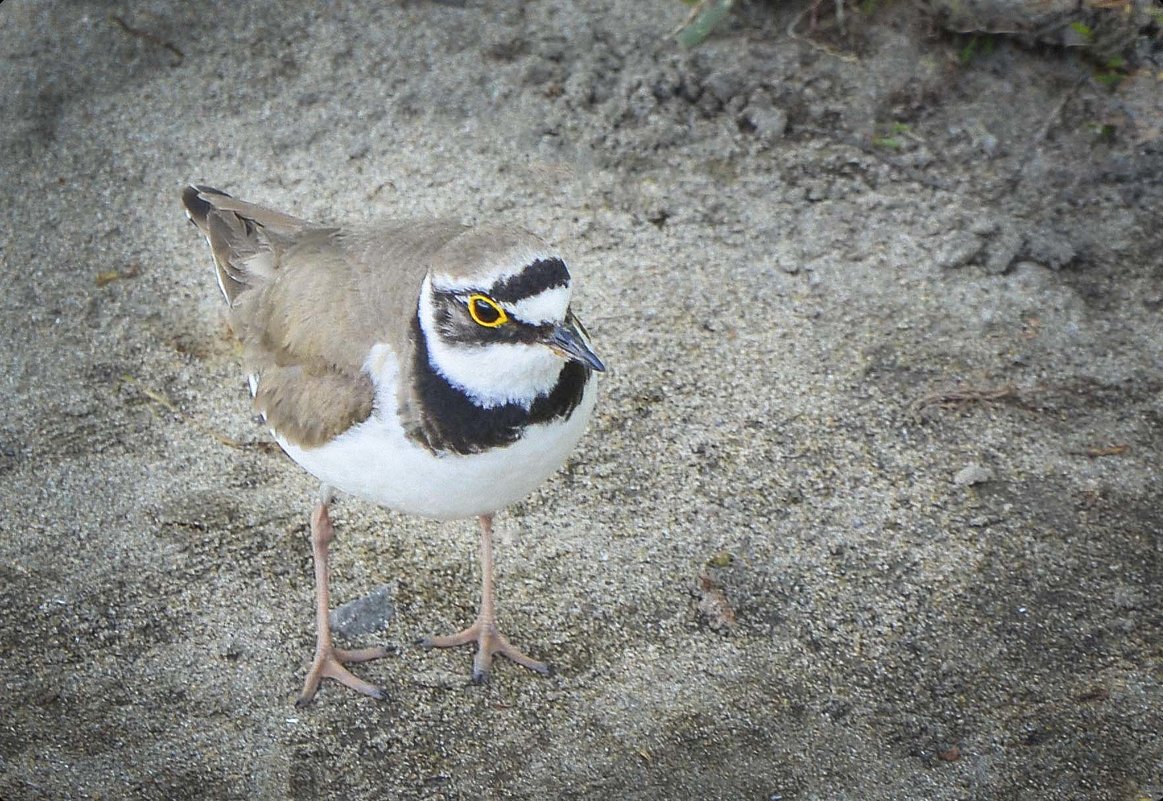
[
  {"x": 768, "y": 120},
  {"x": 972, "y": 474},
  {"x": 951, "y": 754},
  {"x": 959, "y": 251}
]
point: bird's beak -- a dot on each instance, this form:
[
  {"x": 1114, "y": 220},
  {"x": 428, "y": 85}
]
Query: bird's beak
[{"x": 570, "y": 341}]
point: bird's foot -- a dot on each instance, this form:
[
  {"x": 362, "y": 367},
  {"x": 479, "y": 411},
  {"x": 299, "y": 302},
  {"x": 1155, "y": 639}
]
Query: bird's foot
[
  {"x": 329, "y": 664},
  {"x": 489, "y": 642}
]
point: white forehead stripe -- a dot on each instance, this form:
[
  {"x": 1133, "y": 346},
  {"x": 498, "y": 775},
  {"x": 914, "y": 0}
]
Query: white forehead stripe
[
  {"x": 488, "y": 275},
  {"x": 545, "y": 307}
]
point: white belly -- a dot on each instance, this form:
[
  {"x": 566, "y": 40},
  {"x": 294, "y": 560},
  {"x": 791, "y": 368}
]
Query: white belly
[{"x": 377, "y": 462}]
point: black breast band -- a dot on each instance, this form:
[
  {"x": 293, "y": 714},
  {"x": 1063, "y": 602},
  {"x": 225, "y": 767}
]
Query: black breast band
[{"x": 451, "y": 421}]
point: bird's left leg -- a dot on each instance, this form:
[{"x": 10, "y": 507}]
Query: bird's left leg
[{"x": 484, "y": 632}]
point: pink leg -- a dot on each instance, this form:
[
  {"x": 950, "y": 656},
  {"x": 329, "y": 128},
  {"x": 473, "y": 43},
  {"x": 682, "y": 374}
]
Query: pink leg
[
  {"x": 484, "y": 632},
  {"x": 329, "y": 661}
]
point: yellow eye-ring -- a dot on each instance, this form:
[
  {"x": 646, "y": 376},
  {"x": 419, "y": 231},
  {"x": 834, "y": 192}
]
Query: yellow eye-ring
[{"x": 486, "y": 311}]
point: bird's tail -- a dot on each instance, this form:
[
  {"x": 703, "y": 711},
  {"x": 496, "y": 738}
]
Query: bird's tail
[{"x": 243, "y": 236}]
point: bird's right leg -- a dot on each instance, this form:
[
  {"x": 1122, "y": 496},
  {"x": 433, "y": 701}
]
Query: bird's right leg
[{"x": 329, "y": 661}]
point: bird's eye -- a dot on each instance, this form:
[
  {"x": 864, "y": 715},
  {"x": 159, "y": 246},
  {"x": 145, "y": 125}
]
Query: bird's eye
[{"x": 486, "y": 311}]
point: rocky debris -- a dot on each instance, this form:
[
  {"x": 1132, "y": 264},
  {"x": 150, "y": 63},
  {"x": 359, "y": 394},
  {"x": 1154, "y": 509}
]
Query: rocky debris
[{"x": 1107, "y": 28}]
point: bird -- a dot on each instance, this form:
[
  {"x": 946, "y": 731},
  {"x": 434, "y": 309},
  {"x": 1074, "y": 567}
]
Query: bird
[{"x": 430, "y": 367}]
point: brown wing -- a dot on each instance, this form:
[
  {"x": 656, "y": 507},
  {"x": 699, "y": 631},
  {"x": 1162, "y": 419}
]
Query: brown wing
[{"x": 309, "y": 302}]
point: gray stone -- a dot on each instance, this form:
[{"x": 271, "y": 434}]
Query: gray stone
[
  {"x": 972, "y": 474},
  {"x": 366, "y": 615}
]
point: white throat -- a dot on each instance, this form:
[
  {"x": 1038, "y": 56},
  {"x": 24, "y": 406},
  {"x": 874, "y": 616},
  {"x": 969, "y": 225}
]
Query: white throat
[{"x": 491, "y": 375}]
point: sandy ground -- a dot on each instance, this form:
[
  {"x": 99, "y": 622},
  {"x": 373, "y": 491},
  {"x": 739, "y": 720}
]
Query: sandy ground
[{"x": 883, "y": 312}]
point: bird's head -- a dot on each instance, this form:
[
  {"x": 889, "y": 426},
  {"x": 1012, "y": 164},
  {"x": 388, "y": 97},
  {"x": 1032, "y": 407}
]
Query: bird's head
[{"x": 495, "y": 312}]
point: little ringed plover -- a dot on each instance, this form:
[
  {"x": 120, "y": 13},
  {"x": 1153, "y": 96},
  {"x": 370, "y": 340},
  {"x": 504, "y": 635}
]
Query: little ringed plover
[{"x": 429, "y": 367}]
